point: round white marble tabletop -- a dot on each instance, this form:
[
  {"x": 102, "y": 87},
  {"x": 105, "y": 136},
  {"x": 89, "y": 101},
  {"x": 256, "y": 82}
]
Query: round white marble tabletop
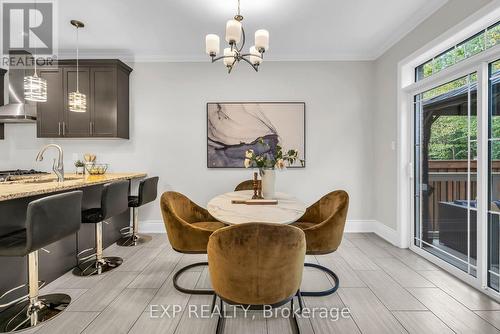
[{"x": 288, "y": 210}]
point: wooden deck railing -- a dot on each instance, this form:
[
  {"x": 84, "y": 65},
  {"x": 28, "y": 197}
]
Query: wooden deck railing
[{"x": 448, "y": 181}]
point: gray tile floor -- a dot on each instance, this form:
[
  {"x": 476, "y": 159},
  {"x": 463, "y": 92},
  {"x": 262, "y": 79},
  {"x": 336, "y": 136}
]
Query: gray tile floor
[{"x": 386, "y": 289}]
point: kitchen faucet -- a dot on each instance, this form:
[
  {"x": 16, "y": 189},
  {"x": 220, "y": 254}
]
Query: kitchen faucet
[{"x": 58, "y": 166}]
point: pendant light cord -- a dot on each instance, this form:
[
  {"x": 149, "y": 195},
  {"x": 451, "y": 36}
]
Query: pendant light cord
[
  {"x": 239, "y": 8},
  {"x": 36, "y": 24},
  {"x": 77, "y": 67}
]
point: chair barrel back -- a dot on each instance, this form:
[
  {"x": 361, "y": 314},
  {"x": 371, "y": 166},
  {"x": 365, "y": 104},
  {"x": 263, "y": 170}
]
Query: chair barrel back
[
  {"x": 256, "y": 263},
  {"x": 114, "y": 198},
  {"x": 245, "y": 185},
  {"x": 148, "y": 190},
  {"x": 52, "y": 218}
]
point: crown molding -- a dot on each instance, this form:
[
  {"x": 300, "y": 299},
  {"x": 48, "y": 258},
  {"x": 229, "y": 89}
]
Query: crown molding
[{"x": 423, "y": 14}]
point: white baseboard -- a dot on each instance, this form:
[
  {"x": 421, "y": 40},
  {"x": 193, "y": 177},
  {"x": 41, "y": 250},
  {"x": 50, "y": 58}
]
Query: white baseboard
[
  {"x": 151, "y": 226},
  {"x": 352, "y": 226},
  {"x": 373, "y": 226}
]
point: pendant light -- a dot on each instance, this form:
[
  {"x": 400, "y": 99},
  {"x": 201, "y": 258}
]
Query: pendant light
[
  {"x": 35, "y": 88},
  {"x": 77, "y": 101}
]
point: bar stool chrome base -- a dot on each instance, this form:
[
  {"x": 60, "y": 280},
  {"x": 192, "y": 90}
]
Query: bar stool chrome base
[
  {"x": 134, "y": 240},
  {"x": 97, "y": 267},
  {"x": 96, "y": 264},
  {"x": 131, "y": 236},
  {"x": 24, "y": 315}
]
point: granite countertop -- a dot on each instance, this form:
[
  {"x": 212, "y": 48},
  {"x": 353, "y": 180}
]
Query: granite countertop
[{"x": 48, "y": 184}]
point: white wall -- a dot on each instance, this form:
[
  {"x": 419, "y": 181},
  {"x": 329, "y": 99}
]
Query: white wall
[
  {"x": 168, "y": 129},
  {"x": 385, "y": 113}
]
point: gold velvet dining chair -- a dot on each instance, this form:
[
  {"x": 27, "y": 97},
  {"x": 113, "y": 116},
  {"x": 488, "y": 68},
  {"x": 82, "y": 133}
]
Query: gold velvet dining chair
[
  {"x": 323, "y": 224},
  {"x": 245, "y": 185},
  {"x": 256, "y": 265},
  {"x": 188, "y": 228}
]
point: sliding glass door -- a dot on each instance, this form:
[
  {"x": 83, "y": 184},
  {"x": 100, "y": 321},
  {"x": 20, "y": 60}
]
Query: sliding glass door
[
  {"x": 494, "y": 175},
  {"x": 445, "y": 174},
  {"x": 456, "y": 175}
]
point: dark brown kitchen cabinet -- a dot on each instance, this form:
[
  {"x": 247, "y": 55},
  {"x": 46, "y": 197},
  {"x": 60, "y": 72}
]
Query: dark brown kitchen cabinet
[
  {"x": 50, "y": 114},
  {"x": 76, "y": 124},
  {"x": 106, "y": 85},
  {"x": 103, "y": 91}
]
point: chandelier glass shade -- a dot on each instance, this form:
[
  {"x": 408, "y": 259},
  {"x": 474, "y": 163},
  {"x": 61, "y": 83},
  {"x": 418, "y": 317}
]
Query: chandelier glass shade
[
  {"x": 77, "y": 102},
  {"x": 35, "y": 88},
  {"x": 235, "y": 37}
]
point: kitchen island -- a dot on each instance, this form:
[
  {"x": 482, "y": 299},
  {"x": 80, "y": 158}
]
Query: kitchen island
[
  {"x": 46, "y": 184},
  {"x": 61, "y": 256}
]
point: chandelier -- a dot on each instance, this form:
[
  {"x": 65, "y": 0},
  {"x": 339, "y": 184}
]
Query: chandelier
[{"x": 234, "y": 53}]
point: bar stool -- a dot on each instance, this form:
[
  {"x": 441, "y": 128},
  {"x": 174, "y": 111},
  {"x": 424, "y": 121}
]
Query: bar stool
[
  {"x": 114, "y": 200},
  {"x": 147, "y": 193},
  {"x": 48, "y": 220}
]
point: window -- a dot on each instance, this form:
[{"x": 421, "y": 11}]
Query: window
[{"x": 468, "y": 48}]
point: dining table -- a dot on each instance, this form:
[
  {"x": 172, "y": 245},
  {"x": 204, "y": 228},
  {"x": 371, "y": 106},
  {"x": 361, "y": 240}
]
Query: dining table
[
  {"x": 237, "y": 207},
  {"x": 230, "y": 208}
]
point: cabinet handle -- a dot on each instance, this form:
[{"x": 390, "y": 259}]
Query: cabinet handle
[
  {"x": 58, "y": 128},
  {"x": 90, "y": 128},
  {"x": 64, "y": 128}
]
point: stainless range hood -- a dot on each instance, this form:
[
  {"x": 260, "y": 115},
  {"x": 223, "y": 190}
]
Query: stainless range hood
[{"x": 17, "y": 109}]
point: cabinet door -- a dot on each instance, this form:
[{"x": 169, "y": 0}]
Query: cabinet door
[
  {"x": 104, "y": 105},
  {"x": 50, "y": 113},
  {"x": 77, "y": 124}
]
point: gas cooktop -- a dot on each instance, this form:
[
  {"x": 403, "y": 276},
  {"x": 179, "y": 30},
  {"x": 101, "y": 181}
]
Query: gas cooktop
[
  {"x": 21, "y": 172},
  {"x": 6, "y": 174}
]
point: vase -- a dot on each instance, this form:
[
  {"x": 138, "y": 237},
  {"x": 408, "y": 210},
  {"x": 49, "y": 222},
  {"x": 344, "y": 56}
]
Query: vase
[{"x": 268, "y": 183}]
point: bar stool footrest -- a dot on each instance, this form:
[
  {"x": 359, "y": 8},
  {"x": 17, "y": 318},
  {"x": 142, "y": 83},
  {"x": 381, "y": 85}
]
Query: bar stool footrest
[
  {"x": 82, "y": 259},
  {"x": 95, "y": 267},
  {"x": 41, "y": 284},
  {"x": 127, "y": 231},
  {"x": 134, "y": 240}
]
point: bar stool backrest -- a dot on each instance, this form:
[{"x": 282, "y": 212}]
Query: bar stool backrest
[
  {"x": 52, "y": 218},
  {"x": 114, "y": 198},
  {"x": 148, "y": 190}
]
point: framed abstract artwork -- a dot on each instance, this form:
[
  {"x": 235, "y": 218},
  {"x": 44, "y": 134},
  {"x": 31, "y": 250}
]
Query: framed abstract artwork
[{"x": 233, "y": 128}]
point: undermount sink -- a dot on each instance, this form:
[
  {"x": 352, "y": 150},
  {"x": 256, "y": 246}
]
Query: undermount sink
[{"x": 47, "y": 180}]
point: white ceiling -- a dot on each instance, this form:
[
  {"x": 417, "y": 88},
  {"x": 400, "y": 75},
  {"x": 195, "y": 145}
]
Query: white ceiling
[{"x": 174, "y": 30}]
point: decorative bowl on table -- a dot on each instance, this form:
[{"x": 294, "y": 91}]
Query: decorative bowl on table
[{"x": 96, "y": 169}]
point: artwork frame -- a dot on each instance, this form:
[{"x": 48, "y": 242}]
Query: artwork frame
[{"x": 301, "y": 108}]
